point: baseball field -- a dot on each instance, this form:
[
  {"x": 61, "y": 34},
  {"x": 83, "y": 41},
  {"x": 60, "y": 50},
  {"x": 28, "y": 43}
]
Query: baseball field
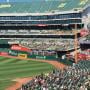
[{"x": 12, "y": 68}]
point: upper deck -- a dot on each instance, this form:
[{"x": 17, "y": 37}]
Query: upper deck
[{"x": 42, "y": 6}]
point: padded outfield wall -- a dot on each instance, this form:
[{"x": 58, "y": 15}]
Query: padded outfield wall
[
  {"x": 49, "y": 55},
  {"x": 25, "y": 55},
  {"x": 22, "y": 54}
]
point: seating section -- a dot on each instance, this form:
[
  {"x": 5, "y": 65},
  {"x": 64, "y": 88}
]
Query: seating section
[
  {"x": 37, "y": 32},
  {"x": 76, "y": 77},
  {"x": 46, "y": 43},
  {"x": 42, "y": 6}
]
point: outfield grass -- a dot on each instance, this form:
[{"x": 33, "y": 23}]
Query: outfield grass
[{"x": 11, "y": 68}]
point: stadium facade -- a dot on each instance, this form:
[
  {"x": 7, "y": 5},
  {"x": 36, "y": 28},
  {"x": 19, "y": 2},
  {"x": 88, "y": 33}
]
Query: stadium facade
[
  {"x": 28, "y": 19},
  {"x": 40, "y": 15}
]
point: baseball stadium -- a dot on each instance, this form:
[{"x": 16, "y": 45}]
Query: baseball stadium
[{"x": 44, "y": 44}]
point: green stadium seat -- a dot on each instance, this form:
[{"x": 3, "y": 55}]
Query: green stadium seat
[{"x": 42, "y": 6}]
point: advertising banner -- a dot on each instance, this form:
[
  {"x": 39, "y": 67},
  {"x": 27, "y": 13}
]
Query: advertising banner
[
  {"x": 20, "y": 48},
  {"x": 13, "y": 53},
  {"x": 3, "y": 53},
  {"x": 84, "y": 32},
  {"x": 40, "y": 57},
  {"x": 43, "y": 57},
  {"x": 81, "y": 56},
  {"x": 23, "y": 56}
]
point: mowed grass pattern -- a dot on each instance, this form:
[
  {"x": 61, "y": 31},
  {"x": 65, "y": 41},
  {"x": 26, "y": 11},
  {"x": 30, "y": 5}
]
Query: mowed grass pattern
[{"x": 11, "y": 68}]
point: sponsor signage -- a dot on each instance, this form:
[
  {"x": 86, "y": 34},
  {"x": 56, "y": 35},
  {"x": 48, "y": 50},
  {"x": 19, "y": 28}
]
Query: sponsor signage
[
  {"x": 22, "y": 56},
  {"x": 84, "y": 32},
  {"x": 43, "y": 52},
  {"x": 19, "y": 48},
  {"x": 40, "y": 57},
  {"x": 14, "y": 53},
  {"x": 3, "y": 53}
]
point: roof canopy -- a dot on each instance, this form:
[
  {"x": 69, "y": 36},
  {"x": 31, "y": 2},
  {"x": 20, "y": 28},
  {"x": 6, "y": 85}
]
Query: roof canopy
[{"x": 42, "y": 6}]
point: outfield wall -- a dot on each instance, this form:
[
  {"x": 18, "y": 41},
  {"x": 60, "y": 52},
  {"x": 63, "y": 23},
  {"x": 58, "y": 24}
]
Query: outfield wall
[
  {"x": 34, "y": 55},
  {"x": 43, "y": 57},
  {"x": 23, "y": 54}
]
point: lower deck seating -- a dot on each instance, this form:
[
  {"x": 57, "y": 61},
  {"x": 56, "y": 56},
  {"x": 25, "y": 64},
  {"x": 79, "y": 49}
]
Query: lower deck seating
[{"x": 76, "y": 77}]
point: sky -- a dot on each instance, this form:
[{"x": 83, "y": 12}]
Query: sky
[
  {"x": 19, "y": 0},
  {"x": 23, "y": 0},
  {"x": 15, "y": 0}
]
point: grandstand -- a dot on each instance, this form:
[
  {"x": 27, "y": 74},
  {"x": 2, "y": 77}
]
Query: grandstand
[
  {"x": 45, "y": 43},
  {"x": 53, "y": 14},
  {"x": 48, "y": 30},
  {"x": 44, "y": 19},
  {"x": 73, "y": 78}
]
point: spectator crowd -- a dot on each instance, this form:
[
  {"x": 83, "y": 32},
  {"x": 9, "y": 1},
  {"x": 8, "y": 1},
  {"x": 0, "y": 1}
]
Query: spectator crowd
[
  {"x": 46, "y": 43},
  {"x": 38, "y": 32},
  {"x": 76, "y": 77}
]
